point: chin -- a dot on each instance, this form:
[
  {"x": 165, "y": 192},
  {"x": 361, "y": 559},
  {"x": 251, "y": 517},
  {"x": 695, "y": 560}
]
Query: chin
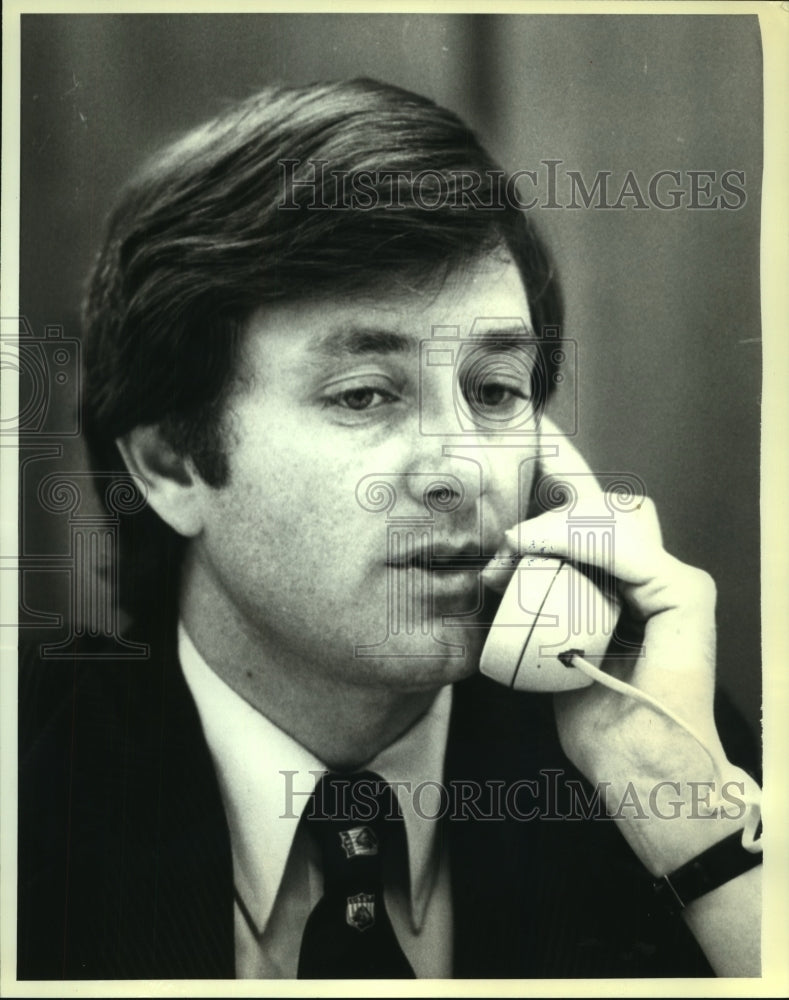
[{"x": 411, "y": 671}]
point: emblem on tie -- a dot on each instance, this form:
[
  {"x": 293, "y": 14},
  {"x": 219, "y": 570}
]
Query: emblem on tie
[
  {"x": 359, "y": 841},
  {"x": 360, "y": 911}
]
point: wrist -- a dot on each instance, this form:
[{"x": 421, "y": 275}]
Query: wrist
[
  {"x": 668, "y": 822},
  {"x": 723, "y": 862}
]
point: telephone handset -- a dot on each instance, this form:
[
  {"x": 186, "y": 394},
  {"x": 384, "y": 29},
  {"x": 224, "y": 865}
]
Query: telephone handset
[{"x": 550, "y": 608}]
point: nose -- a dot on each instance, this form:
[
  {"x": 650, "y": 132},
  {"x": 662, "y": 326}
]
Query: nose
[
  {"x": 443, "y": 493},
  {"x": 457, "y": 465},
  {"x": 447, "y": 471}
]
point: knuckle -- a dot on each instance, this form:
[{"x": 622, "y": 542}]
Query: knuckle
[
  {"x": 699, "y": 585},
  {"x": 648, "y": 505},
  {"x": 648, "y": 521},
  {"x": 648, "y": 511}
]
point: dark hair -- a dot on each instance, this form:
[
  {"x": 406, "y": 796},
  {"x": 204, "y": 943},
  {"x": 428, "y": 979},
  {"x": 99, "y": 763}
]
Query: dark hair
[{"x": 253, "y": 208}]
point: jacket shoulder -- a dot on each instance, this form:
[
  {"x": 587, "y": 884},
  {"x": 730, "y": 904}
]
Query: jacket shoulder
[{"x": 119, "y": 814}]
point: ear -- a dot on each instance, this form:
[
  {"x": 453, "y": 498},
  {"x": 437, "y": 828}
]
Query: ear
[{"x": 175, "y": 488}]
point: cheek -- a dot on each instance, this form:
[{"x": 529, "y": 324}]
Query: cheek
[
  {"x": 512, "y": 475},
  {"x": 293, "y": 504}
]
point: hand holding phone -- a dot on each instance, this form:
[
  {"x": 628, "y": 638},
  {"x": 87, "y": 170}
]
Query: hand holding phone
[{"x": 649, "y": 718}]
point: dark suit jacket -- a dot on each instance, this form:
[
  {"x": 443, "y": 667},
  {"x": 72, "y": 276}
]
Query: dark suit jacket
[{"x": 125, "y": 866}]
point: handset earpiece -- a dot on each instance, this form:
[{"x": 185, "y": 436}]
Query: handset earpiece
[{"x": 549, "y": 608}]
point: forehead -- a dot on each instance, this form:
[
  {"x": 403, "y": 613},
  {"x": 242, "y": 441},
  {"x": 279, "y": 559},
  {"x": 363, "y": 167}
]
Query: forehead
[{"x": 485, "y": 298}]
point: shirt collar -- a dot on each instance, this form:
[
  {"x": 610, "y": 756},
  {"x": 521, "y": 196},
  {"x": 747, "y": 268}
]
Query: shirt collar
[{"x": 266, "y": 777}]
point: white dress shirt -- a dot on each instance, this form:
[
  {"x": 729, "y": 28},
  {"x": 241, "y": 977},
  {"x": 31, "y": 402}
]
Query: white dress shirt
[{"x": 266, "y": 777}]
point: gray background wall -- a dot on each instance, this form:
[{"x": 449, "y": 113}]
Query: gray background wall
[{"x": 664, "y": 305}]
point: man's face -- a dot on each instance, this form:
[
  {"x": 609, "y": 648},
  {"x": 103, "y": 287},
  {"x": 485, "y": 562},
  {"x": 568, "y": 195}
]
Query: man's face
[{"x": 370, "y": 434}]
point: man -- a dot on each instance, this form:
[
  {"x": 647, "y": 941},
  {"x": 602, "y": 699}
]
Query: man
[{"x": 322, "y": 491}]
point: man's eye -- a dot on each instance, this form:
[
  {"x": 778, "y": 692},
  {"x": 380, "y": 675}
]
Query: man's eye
[
  {"x": 490, "y": 395},
  {"x": 494, "y": 395},
  {"x": 358, "y": 399},
  {"x": 361, "y": 398}
]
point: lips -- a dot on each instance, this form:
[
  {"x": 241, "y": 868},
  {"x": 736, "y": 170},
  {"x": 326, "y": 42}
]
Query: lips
[{"x": 437, "y": 558}]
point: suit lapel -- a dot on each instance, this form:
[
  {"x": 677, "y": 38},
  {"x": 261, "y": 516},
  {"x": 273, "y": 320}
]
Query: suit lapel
[{"x": 492, "y": 857}]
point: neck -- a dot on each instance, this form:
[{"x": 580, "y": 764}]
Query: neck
[{"x": 345, "y": 725}]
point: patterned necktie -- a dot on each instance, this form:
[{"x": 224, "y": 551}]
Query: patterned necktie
[{"x": 355, "y": 820}]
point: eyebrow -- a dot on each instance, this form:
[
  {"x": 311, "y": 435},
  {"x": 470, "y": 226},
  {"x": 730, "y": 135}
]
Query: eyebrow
[
  {"x": 522, "y": 331},
  {"x": 358, "y": 340},
  {"x": 361, "y": 340}
]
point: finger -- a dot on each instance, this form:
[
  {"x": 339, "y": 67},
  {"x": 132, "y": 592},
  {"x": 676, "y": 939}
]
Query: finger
[
  {"x": 628, "y": 547},
  {"x": 498, "y": 573},
  {"x": 564, "y": 457},
  {"x": 560, "y": 463},
  {"x": 563, "y": 470},
  {"x": 566, "y": 482}
]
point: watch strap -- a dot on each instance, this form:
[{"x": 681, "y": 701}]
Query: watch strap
[{"x": 712, "y": 868}]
